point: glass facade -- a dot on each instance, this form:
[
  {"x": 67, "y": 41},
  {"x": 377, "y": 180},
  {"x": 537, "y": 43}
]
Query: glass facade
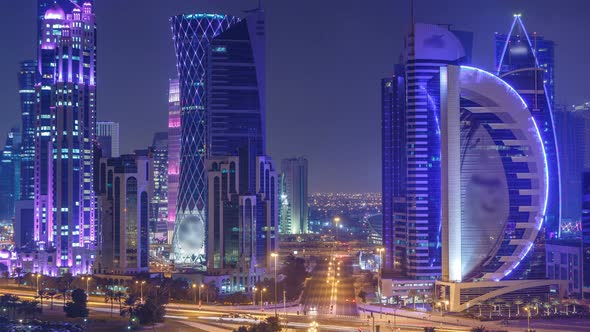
[
  {"x": 159, "y": 205},
  {"x": 174, "y": 134},
  {"x": 294, "y": 205},
  {"x": 192, "y": 36},
  {"x": 26, "y": 80},
  {"x": 526, "y": 62},
  {"x": 65, "y": 127},
  {"x": 503, "y": 178},
  {"x": 393, "y": 168},
  {"x": 10, "y": 174}
]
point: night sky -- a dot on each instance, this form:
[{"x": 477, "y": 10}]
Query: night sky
[{"x": 325, "y": 62}]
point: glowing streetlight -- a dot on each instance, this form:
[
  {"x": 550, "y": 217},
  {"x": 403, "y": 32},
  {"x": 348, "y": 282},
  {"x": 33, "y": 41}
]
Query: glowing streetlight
[
  {"x": 262, "y": 304},
  {"x": 140, "y": 288},
  {"x": 275, "y": 255},
  {"x": 87, "y": 278},
  {"x": 37, "y": 276}
]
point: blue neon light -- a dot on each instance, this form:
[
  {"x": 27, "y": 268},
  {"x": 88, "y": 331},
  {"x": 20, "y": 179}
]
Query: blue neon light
[{"x": 545, "y": 163}]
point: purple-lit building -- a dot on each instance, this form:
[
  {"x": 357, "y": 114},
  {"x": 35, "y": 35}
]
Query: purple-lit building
[
  {"x": 173, "y": 153},
  {"x": 526, "y": 62},
  {"x": 65, "y": 122}
]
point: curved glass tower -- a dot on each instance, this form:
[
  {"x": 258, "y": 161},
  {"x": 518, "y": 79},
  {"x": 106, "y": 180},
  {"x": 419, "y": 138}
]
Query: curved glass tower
[
  {"x": 192, "y": 34},
  {"x": 503, "y": 179}
]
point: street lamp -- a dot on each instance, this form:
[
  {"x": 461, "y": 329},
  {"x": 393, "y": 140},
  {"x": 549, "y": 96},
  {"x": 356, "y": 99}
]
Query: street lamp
[
  {"x": 261, "y": 303},
  {"x": 195, "y": 292},
  {"x": 528, "y": 310},
  {"x": 37, "y": 276},
  {"x": 200, "y": 297},
  {"x": 446, "y": 305},
  {"x": 275, "y": 255},
  {"x": 141, "y": 289},
  {"x": 87, "y": 280},
  {"x": 254, "y": 289}
]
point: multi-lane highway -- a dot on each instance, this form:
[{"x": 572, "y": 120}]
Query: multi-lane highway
[{"x": 330, "y": 290}]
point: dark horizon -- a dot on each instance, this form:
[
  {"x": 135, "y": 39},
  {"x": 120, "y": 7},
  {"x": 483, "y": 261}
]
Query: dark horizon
[{"x": 324, "y": 71}]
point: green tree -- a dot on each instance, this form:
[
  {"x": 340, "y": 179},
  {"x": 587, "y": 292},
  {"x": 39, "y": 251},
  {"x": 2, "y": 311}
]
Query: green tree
[
  {"x": 151, "y": 312},
  {"x": 77, "y": 308},
  {"x": 18, "y": 274}
]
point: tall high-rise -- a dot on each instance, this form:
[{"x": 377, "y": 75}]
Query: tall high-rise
[
  {"x": 221, "y": 67},
  {"x": 192, "y": 35},
  {"x": 159, "y": 206},
  {"x": 65, "y": 125},
  {"x": 26, "y": 79},
  {"x": 294, "y": 205},
  {"x": 526, "y": 62},
  {"x": 10, "y": 177},
  {"x": 241, "y": 221},
  {"x": 173, "y": 153},
  {"x": 494, "y": 193},
  {"x": 412, "y": 226},
  {"x": 393, "y": 167},
  {"x": 125, "y": 189},
  {"x": 107, "y": 135}
]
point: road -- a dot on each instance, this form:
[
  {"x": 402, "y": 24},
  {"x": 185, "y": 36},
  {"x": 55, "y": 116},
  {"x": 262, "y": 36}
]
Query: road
[{"x": 330, "y": 291}]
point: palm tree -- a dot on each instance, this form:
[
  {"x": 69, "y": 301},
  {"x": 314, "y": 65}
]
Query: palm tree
[
  {"x": 536, "y": 301},
  {"x": 412, "y": 293},
  {"x": 518, "y": 303},
  {"x": 18, "y": 274},
  {"x": 555, "y": 304},
  {"x": 547, "y": 306},
  {"x": 51, "y": 294}
]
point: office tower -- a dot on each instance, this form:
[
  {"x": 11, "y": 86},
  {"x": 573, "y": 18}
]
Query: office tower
[
  {"x": 582, "y": 114},
  {"x": 192, "y": 35},
  {"x": 413, "y": 242},
  {"x": 10, "y": 177},
  {"x": 26, "y": 80},
  {"x": 242, "y": 222},
  {"x": 571, "y": 141},
  {"x": 24, "y": 224},
  {"x": 586, "y": 233},
  {"x": 393, "y": 169},
  {"x": 526, "y": 62},
  {"x": 159, "y": 208},
  {"x": 65, "y": 122},
  {"x": 124, "y": 194},
  {"x": 107, "y": 135},
  {"x": 222, "y": 111},
  {"x": 294, "y": 207},
  {"x": 173, "y": 153},
  {"x": 494, "y": 191}
]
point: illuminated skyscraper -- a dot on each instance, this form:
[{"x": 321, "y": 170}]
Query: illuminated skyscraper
[
  {"x": 159, "y": 207},
  {"x": 192, "y": 35},
  {"x": 65, "y": 122},
  {"x": 412, "y": 151},
  {"x": 10, "y": 177},
  {"x": 526, "y": 62},
  {"x": 124, "y": 193},
  {"x": 393, "y": 168},
  {"x": 173, "y": 153},
  {"x": 221, "y": 65},
  {"x": 294, "y": 205},
  {"x": 26, "y": 80},
  {"x": 107, "y": 135},
  {"x": 494, "y": 193}
]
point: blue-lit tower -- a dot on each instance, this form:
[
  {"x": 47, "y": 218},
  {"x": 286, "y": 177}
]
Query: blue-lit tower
[
  {"x": 192, "y": 36},
  {"x": 393, "y": 167},
  {"x": 412, "y": 232},
  {"x": 10, "y": 177},
  {"x": 26, "y": 79},
  {"x": 526, "y": 62},
  {"x": 65, "y": 127}
]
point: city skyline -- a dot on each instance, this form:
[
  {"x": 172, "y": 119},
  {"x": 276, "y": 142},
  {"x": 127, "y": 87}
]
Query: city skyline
[{"x": 330, "y": 64}]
